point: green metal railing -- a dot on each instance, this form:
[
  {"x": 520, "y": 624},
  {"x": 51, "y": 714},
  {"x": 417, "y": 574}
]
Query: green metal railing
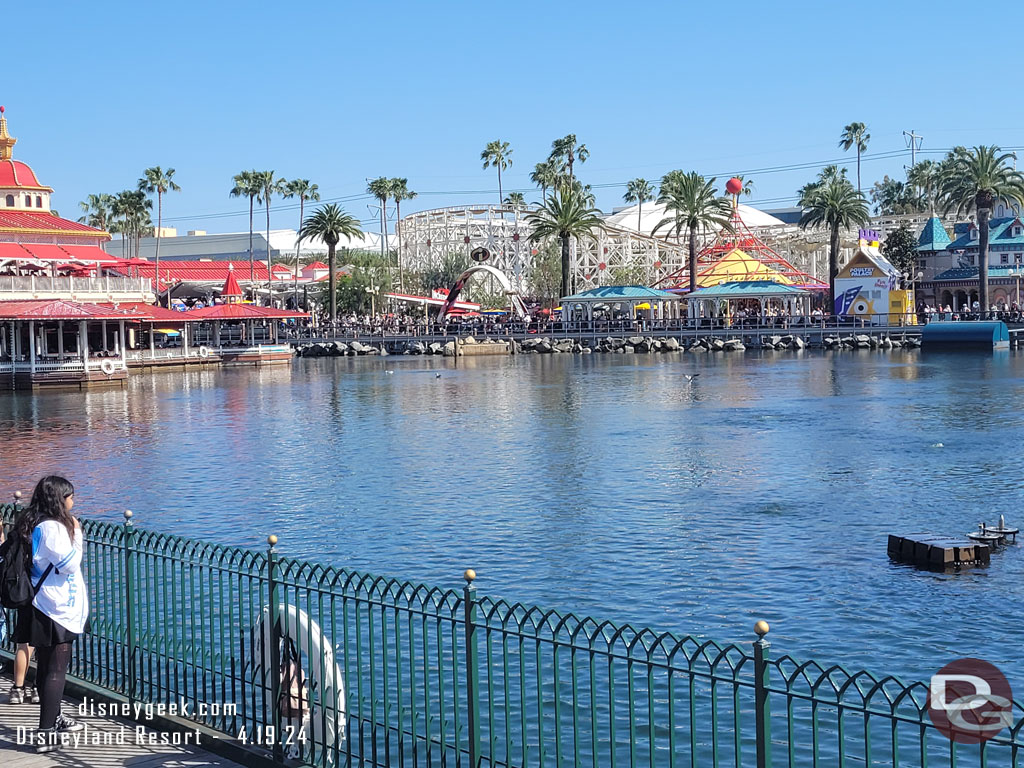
[{"x": 405, "y": 674}]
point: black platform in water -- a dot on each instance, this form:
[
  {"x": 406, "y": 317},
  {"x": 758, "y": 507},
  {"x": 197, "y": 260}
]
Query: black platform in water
[{"x": 930, "y": 551}]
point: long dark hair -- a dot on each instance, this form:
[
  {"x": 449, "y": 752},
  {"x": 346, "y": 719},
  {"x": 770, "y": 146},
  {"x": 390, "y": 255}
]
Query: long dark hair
[{"x": 48, "y": 503}]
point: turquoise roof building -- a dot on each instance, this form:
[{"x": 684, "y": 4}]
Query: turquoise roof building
[
  {"x": 1004, "y": 235},
  {"x": 933, "y": 237}
]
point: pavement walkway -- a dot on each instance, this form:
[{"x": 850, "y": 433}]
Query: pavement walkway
[{"x": 98, "y": 745}]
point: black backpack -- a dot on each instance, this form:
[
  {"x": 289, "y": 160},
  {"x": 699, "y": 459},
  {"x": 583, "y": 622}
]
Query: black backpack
[{"x": 16, "y": 587}]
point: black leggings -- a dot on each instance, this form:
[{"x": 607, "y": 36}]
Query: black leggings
[{"x": 52, "y": 668}]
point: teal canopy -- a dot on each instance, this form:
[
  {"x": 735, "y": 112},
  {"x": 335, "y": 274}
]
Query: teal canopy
[
  {"x": 748, "y": 289},
  {"x": 613, "y": 293}
]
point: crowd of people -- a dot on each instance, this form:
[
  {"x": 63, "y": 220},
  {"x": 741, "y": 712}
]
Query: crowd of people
[{"x": 1009, "y": 313}]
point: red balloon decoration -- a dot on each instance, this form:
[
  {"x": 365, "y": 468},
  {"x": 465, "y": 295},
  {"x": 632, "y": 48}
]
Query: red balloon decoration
[{"x": 734, "y": 186}]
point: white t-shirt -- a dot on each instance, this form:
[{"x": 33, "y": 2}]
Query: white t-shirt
[{"x": 63, "y": 595}]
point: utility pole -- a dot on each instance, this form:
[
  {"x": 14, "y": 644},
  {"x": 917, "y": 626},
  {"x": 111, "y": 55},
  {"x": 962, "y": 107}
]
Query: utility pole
[{"x": 914, "y": 142}]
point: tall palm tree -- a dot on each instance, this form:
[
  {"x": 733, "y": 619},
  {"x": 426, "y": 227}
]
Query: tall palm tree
[
  {"x": 132, "y": 207},
  {"x": 638, "y": 191},
  {"x": 833, "y": 204},
  {"x": 400, "y": 191},
  {"x": 268, "y": 185},
  {"x": 380, "y": 188},
  {"x": 855, "y": 135},
  {"x": 564, "y": 214},
  {"x": 545, "y": 175},
  {"x": 330, "y": 223},
  {"x": 691, "y": 201},
  {"x": 515, "y": 200},
  {"x": 302, "y": 189},
  {"x": 97, "y": 210},
  {"x": 565, "y": 151},
  {"x": 157, "y": 180},
  {"x": 498, "y": 154},
  {"x": 247, "y": 185},
  {"x": 924, "y": 178},
  {"x": 975, "y": 179}
]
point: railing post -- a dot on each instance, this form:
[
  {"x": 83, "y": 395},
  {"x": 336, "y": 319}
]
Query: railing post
[
  {"x": 273, "y": 585},
  {"x": 129, "y": 608},
  {"x": 762, "y": 704},
  {"x": 472, "y": 669}
]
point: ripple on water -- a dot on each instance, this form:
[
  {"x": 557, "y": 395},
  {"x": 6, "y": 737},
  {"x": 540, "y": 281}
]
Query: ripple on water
[{"x": 764, "y": 489}]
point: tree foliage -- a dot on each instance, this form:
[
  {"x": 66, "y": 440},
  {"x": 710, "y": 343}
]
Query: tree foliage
[{"x": 900, "y": 248}]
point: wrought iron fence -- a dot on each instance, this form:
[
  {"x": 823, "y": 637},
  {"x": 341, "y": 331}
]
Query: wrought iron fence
[{"x": 333, "y": 667}]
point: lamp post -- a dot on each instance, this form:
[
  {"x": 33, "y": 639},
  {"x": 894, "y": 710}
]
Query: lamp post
[{"x": 372, "y": 290}]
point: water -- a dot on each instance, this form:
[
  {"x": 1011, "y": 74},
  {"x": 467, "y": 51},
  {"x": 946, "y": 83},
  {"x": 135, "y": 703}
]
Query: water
[{"x": 604, "y": 485}]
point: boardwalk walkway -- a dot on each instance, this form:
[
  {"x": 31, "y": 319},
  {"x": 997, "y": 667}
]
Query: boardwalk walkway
[{"x": 131, "y": 753}]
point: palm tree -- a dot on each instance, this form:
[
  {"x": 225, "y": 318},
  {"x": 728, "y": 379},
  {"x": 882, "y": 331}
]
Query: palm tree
[
  {"x": 380, "y": 188},
  {"x": 330, "y": 223},
  {"x": 133, "y": 207},
  {"x": 515, "y": 200},
  {"x": 545, "y": 175},
  {"x": 157, "y": 180},
  {"x": 924, "y": 178},
  {"x": 247, "y": 185},
  {"x": 97, "y": 210},
  {"x": 855, "y": 135},
  {"x": 834, "y": 204},
  {"x": 400, "y": 191},
  {"x": 694, "y": 206},
  {"x": 638, "y": 191},
  {"x": 975, "y": 179},
  {"x": 565, "y": 152},
  {"x": 748, "y": 185},
  {"x": 268, "y": 185},
  {"x": 564, "y": 214},
  {"x": 498, "y": 154},
  {"x": 302, "y": 189}
]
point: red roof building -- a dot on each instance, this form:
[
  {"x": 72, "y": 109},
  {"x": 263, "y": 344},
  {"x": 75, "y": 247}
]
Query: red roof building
[
  {"x": 25, "y": 215},
  {"x": 58, "y": 309},
  {"x": 231, "y": 289},
  {"x": 243, "y": 312}
]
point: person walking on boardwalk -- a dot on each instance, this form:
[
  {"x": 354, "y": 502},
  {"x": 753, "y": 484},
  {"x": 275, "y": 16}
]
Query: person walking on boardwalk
[{"x": 61, "y": 606}]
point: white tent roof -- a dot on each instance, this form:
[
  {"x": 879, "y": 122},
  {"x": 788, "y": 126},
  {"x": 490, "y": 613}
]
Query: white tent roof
[{"x": 652, "y": 213}]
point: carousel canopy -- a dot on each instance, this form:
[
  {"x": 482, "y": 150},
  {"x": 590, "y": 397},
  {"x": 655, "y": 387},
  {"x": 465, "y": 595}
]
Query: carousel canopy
[{"x": 739, "y": 266}]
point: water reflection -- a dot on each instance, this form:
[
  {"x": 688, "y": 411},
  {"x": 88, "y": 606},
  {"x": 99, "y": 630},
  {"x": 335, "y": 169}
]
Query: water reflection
[{"x": 604, "y": 484}]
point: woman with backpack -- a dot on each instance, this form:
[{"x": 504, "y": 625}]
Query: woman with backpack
[
  {"x": 23, "y": 651},
  {"x": 60, "y": 607}
]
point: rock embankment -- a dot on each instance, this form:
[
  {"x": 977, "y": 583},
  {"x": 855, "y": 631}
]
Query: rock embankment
[
  {"x": 338, "y": 349},
  {"x": 621, "y": 345}
]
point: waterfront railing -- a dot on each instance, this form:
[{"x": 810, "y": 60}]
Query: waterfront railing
[{"x": 331, "y": 667}]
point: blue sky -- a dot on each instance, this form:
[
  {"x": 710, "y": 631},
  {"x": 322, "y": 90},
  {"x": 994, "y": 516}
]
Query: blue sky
[{"x": 338, "y": 92}]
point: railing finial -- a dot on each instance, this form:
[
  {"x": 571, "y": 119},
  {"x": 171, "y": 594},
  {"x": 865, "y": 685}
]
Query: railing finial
[
  {"x": 469, "y": 575},
  {"x": 17, "y": 496},
  {"x": 127, "y": 515},
  {"x": 761, "y": 628},
  {"x": 272, "y": 540}
]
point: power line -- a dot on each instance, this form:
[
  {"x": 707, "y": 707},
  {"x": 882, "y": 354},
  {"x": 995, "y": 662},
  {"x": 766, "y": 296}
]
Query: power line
[{"x": 766, "y": 170}]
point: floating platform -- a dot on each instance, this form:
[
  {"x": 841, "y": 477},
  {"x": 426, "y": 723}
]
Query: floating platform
[
  {"x": 930, "y": 551},
  {"x": 966, "y": 333}
]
